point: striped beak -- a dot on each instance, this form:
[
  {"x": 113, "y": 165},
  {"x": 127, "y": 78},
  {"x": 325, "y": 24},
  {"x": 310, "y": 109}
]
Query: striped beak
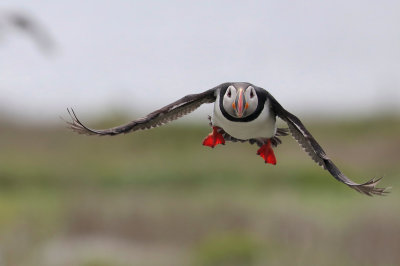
[{"x": 240, "y": 103}]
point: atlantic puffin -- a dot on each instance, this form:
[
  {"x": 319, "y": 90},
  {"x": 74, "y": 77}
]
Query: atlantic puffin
[{"x": 242, "y": 112}]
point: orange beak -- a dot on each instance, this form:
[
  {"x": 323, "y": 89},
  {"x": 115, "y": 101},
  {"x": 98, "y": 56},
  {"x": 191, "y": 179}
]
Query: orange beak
[{"x": 240, "y": 103}]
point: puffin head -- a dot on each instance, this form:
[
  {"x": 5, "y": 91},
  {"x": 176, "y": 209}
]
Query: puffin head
[{"x": 240, "y": 101}]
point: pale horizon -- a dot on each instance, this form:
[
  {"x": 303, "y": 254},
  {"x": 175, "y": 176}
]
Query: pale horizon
[{"x": 315, "y": 58}]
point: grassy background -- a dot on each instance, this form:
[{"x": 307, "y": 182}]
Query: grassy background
[{"x": 160, "y": 198}]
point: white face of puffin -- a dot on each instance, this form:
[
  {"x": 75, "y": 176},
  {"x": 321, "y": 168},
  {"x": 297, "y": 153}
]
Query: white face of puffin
[{"x": 240, "y": 102}]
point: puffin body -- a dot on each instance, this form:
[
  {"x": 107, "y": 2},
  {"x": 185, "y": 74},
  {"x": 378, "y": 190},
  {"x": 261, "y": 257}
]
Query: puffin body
[{"x": 242, "y": 112}]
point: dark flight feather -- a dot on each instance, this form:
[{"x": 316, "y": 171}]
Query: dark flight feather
[
  {"x": 315, "y": 151},
  {"x": 157, "y": 118}
]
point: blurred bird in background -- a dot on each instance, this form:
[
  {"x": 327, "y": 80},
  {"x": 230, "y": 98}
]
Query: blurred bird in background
[{"x": 20, "y": 21}]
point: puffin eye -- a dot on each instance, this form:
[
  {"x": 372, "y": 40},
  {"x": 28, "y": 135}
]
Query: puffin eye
[
  {"x": 229, "y": 93},
  {"x": 251, "y": 94}
]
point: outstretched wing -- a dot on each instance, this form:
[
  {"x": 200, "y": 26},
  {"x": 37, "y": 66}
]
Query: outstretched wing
[
  {"x": 157, "y": 118},
  {"x": 311, "y": 146}
]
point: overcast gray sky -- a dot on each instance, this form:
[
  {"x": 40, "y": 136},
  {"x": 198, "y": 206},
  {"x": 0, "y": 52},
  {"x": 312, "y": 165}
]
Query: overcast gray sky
[{"x": 315, "y": 57}]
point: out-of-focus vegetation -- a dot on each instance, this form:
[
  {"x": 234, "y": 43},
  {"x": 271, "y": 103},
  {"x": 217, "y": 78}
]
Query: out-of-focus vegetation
[{"x": 160, "y": 198}]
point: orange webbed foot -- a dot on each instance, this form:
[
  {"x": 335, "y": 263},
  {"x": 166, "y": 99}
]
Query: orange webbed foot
[
  {"x": 214, "y": 138},
  {"x": 267, "y": 153}
]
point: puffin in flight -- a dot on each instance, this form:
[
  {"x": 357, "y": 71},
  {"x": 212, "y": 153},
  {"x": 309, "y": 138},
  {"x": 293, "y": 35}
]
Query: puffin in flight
[{"x": 242, "y": 112}]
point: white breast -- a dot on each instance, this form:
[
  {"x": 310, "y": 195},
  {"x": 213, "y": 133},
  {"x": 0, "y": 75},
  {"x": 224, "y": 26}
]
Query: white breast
[{"x": 264, "y": 126}]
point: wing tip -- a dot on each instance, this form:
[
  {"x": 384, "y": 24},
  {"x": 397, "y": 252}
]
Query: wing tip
[
  {"x": 369, "y": 188},
  {"x": 76, "y": 125}
]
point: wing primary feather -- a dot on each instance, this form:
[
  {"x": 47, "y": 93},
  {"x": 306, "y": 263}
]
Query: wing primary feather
[
  {"x": 77, "y": 126},
  {"x": 157, "y": 118},
  {"x": 315, "y": 151}
]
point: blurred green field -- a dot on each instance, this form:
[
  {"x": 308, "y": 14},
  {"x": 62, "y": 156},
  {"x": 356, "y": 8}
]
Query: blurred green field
[{"x": 160, "y": 198}]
